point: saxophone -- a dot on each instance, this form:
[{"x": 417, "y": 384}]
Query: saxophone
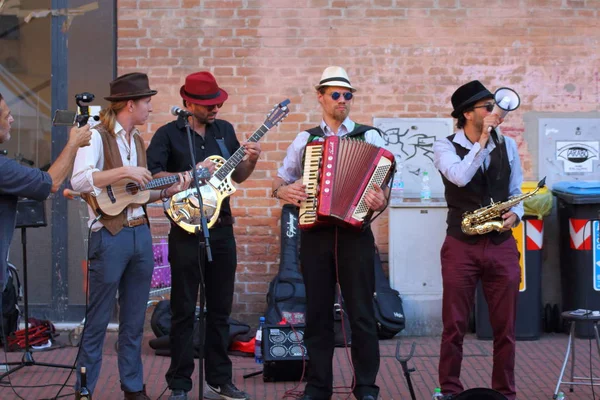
[{"x": 489, "y": 218}]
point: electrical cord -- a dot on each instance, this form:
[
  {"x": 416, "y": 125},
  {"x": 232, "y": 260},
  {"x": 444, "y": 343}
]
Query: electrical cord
[{"x": 5, "y": 341}]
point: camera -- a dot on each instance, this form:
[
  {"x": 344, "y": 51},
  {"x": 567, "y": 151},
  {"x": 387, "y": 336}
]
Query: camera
[{"x": 70, "y": 118}]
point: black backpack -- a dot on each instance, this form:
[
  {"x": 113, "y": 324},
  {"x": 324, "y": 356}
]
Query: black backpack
[
  {"x": 389, "y": 312},
  {"x": 10, "y": 304},
  {"x": 160, "y": 322},
  {"x": 286, "y": 297}
]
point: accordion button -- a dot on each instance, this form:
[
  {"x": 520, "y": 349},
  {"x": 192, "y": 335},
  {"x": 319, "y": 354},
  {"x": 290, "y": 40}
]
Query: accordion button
[
  {"x": 328, "y": 165},
  {"x": 328, "y": 181},
  {"x": 328, "y": 174},
  {"x": 326, "y": 190}
]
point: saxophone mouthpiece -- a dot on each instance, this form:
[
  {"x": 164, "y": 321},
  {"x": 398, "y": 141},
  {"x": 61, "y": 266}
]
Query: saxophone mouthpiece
[{"x": 542, "y": 183}]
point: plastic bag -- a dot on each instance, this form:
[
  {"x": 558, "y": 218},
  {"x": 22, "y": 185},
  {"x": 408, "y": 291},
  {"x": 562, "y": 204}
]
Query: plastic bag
[{"x": 539, "y": 205}]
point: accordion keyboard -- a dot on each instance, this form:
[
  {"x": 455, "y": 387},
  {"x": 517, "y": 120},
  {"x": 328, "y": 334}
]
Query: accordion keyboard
[{"x": 310, "y": 179}]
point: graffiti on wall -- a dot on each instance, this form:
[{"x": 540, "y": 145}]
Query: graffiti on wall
[{"x": 411, "y": 141}]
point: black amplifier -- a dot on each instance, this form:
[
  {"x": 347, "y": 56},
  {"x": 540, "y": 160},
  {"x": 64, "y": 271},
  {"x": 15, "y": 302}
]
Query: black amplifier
[{"x": 284, "y": 352}]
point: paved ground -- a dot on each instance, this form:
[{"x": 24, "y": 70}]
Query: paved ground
[{"x": 538, "y": 366}]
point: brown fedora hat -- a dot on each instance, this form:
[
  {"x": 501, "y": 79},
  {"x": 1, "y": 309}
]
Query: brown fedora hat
[
  {"x": 129, "y": 87},
  {"x": 201, "y": 88}
]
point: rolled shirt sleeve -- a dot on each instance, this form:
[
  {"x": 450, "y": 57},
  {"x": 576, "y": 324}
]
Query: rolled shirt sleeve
[{"x": 89, "y": 159}]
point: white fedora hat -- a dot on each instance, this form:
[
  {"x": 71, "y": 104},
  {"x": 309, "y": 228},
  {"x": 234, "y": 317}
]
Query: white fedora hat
[{"x": 335, "y": 76}]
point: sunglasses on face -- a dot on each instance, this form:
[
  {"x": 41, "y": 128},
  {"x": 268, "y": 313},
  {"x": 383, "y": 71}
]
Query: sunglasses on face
[
  {"x": 489, "y": 107},
  {"x": 336, "y": 95},
  {"x": 213, "y": 106}
]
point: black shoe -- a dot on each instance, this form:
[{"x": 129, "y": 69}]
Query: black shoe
[
  {"x": 227, "y": 391},
  {"x": 178, "y": 395},
  {"x": 368, "y": 397}
]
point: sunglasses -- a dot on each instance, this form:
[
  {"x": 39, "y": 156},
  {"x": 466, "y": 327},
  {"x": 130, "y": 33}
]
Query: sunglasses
[
  {"x": 489, "y": 107},
  {"x": 336, "y": 95},
  {"x": 214, "y": 105}
]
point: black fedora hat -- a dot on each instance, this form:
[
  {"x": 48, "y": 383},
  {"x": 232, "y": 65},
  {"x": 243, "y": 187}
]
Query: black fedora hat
[
  {"x": 130, "y": 87},
  {"x": 467, "y": 95}
]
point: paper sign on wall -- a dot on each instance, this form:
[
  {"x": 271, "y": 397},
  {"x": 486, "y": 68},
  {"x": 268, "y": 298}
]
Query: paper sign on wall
[{"x": 577, "y": 156}]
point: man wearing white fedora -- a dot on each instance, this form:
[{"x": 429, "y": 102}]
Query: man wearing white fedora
[{"x": 331, "y": 255}]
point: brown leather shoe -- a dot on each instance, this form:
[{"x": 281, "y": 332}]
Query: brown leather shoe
[{"x": 137, "y": 395}]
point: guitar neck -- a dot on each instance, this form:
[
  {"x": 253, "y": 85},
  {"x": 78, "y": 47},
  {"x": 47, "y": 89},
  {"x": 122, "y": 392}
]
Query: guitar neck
[
  {"x": 237, "y": 157},
  {"x": 164, "y": 181}
]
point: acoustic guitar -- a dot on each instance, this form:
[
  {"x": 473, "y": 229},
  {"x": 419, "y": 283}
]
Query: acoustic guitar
[
  {"x": 184, "y": 208},
  {"x": 116, "y": 197}
]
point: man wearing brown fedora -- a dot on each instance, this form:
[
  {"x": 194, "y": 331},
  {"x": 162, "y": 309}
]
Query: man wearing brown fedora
[
  {"x": 475, "y": 171},
  {"x": 120, "y": 248},
  {"x": 320, "y": 249},
  {"x": 169, "y": 153}
]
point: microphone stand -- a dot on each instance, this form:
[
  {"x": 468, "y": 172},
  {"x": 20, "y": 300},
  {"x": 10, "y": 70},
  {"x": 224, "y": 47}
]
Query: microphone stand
[{"x": 203, "y": 249}]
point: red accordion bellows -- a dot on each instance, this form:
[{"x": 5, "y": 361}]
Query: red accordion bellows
[{"x": 337, "y": 174}]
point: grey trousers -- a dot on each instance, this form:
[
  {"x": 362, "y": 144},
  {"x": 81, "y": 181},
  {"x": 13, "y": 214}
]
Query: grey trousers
[{"x": 123, "y": 262}]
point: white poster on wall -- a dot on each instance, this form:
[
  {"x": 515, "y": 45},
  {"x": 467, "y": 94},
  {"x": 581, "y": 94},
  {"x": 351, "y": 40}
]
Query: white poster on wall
[
  {"x": 411, "y": 141},
  {"x": 577, "y": 156}
]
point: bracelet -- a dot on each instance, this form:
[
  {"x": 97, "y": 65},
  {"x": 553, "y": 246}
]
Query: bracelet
[
  {"x": 163, "y": 196},
  {"x": 274, "y": 192}
]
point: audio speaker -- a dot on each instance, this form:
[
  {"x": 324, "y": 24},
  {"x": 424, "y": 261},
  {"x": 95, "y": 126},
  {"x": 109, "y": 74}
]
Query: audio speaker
[
  {"x": 30, "y": 213},
  {"x": 284, "y": 353}
]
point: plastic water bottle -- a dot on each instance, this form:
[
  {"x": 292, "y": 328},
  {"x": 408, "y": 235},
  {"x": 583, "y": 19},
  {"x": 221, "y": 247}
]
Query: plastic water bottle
[
  {"x": 425, "y": 189},
  {"x": 398, "y": 185},
  {"x": 437, "y": 394},
  {"x": 560, "y": 396},
  {"x": 258, "y": 341}
]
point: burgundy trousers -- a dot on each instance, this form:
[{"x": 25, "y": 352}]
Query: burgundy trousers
[{"x": 497, "y": 266}]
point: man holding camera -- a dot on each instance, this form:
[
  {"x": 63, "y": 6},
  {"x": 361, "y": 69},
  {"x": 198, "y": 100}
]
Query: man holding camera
[{"x": 17, "y": 181}]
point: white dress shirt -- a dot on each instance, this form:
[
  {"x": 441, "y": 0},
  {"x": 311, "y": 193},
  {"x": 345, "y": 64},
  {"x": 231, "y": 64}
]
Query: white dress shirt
[
  {"x": 460, "y": 172},
  {"x": 292, "y": 167},
  {"x": 90, "y": 159}
]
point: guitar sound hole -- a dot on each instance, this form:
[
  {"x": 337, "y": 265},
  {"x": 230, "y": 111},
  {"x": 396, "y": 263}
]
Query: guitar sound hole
[{"x": 131, "y": 189}]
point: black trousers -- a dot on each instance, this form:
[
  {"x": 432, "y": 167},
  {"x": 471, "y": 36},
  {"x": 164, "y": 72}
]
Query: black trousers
[
  {"x": 355, "y": 266},
  {"x": 219, "y": 278}
]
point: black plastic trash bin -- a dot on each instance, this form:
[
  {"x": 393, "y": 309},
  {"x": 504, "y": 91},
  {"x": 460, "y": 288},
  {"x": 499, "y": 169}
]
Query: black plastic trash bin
[
  {"x": 578, "y": 213},
  {"x": 529, "y": 235}
]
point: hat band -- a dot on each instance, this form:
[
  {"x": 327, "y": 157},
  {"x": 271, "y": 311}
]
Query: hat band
[
  {"x": 338, "y": 79},
  {"x": 202, "y": 96},
  {"x": 123, "y": 94}
]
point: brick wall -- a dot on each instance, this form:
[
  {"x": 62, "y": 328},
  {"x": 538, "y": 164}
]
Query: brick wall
[{"x": 406, "y": 57}]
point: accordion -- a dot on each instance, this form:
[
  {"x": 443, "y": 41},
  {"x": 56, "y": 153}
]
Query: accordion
[{"x": 337, "y": 174}]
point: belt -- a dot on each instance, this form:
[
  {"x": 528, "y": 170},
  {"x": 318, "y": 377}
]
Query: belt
[{"x": 130, "y": 223}]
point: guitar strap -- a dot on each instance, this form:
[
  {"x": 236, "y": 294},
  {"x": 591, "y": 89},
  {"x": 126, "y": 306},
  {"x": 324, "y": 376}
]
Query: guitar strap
[{"x": 221, "y": 142}]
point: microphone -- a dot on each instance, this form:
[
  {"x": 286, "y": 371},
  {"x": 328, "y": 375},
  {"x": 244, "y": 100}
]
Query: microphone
[{"x": 180, "y": 112}]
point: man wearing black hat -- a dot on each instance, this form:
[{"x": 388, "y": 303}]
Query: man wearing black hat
[
  {"x": 169, "y": 153},
  {"x": 476, "y": 171},
  {"x": 120, "y": 248}
]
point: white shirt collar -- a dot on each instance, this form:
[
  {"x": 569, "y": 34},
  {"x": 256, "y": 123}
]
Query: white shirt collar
[{"x": 346, "y": 127}]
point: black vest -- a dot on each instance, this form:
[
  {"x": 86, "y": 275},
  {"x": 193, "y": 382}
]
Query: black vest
[{"x": 493, "y": 183}]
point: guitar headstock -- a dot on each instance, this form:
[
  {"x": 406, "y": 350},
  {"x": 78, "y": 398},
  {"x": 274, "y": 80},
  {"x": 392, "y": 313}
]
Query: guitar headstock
[{"x": 277, "y": 114}]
